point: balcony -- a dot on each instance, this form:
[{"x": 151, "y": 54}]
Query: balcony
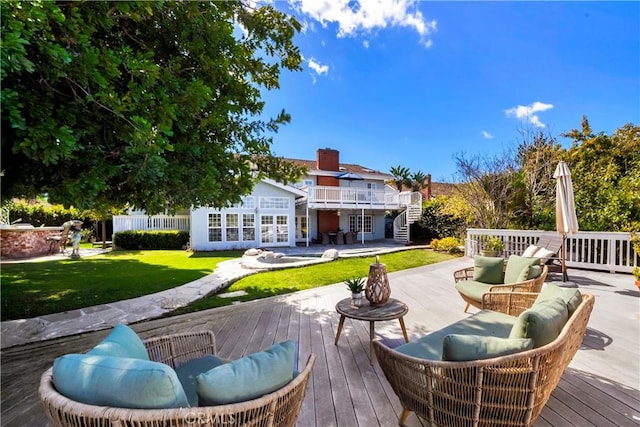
[{"x": 325, "y": 197}]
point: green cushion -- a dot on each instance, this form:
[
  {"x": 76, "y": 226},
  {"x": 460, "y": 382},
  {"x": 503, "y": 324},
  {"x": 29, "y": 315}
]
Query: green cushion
[
  {"x": 571, "y": 296},
  {"x": 488, "y": 269},
  {"x": 122, "y": 341},
  {"x": 484, "y": 322},
  {"x": 475, "y": 347},
  {"x": 188, "y": 372},
  {"x": 249, "y": 377},
  {"x": 473, "y": 289},
  {"x": 543, "y": 322},
  {"x": 119, "y": 382},
  {"x": 534, "y": 271},
  {"x": 518, "y": 268}
]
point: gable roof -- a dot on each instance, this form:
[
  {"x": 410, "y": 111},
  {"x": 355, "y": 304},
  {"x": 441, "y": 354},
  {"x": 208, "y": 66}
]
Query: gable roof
[{"x": 311, "y": 166}]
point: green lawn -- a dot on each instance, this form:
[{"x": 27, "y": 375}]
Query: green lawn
[
  {"x": 290, "y": 280},
  {"x": 38, "y": 288}
]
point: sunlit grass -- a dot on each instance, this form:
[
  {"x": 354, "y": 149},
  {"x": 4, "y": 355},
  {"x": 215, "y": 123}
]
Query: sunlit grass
[
  {"x": 294, "y": 279},
  {"x": 37, "y": 288}
]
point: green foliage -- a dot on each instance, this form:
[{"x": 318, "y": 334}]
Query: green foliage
[
  {"x": 401, "y": 176},
  {"x": 605, "y": 171},
  {"x": 355, "y": 284},
  {"x": 155, "y": 239},
  {"x": 436, "y": 222},
  {"x": 157, "y": 104},
  {"x": 37, "y": 214},
  {"x": 636, "y": 273},
  {"x": 492, "y": 243}
]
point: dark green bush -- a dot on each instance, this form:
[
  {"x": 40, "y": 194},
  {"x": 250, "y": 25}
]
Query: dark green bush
[{"x": 154, "y": 239}]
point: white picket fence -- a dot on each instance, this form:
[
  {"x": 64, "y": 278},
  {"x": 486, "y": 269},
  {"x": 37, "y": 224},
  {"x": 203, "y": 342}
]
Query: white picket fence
[
  {"x": 154, "y": 222},
  {"x": 595, "y": 250}
]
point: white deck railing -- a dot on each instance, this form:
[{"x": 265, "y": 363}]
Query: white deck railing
[
  {"x": 354, "y": 197},
  {"x": 153, "y": 222},
  {"x": 608, "y": 251}
]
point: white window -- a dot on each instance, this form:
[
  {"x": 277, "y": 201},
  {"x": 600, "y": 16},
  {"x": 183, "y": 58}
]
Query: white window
[
  {"x": 248, "y": 227},
  {"x": 356, "y": 223},
  {"x": 248, "y": 202},
  {"x": 282, "y": 228},
  {"x": 215, "y": 227},
  {"x": 274, "y": 202},
  {"x": 232, "y": 227}
]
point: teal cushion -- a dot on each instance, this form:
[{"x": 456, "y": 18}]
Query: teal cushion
[
  {"x": 122, "y": 341},
  {"x": 475, "y": 347},
  {"x": 484, "y": 322},
  {"x": 571, "y": 296},
  {"x": 488, "y": 269},
  {"x": 472, "y": 289},
  {"x": 249, "y": 377},
  {"x": 188, "y": 372},
  {"x": 118, "y": 382},
  {"x": 543, "y": 322},
  {"x": 518, "y": 268}
]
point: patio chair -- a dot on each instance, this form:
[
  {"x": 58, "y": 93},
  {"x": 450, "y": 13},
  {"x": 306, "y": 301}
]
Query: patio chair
[
  {"x": 192, "y": 350},
  {"x": 339, "y": 238},
  {"x": 350, "y": 238},
  {"x": 493, "y": 274}
]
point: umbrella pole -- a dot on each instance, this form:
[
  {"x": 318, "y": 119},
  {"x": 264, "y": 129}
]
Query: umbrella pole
[{"x": 565, "y": 277}]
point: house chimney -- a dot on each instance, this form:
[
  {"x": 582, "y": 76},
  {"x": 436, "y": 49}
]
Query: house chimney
[{"x": 328, "y": 159}]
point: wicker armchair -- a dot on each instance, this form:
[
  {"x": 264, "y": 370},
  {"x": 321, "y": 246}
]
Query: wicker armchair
[
  {"x": 531, "y": 285},
  {"x": 504, "y": 391},
  {"x": 279, "y": 408}
]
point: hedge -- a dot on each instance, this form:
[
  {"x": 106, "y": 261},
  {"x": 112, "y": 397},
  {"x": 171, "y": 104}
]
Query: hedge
[{"x": 154, "y": 239}]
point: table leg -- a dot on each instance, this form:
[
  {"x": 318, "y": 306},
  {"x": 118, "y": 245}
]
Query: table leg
[
  {"x": 372, "y": 355},
  {"x": 404, "y": 330},
  {"x": 339, "y": 328}
]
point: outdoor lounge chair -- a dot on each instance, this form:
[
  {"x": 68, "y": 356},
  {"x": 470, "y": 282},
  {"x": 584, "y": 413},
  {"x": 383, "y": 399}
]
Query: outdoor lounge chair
[
  {"x": 278, "y": 408},
  {"x": 466, "y": 386},
  {"x": 489, "y": 274}
]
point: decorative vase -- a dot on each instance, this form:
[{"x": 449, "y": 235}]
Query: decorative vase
[
  {"x": 377, "y": 290},
  {"x": 488, "y": 253},
  {"x": 356, "y": 299}
]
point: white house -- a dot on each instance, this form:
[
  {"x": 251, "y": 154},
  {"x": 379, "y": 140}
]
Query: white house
[{"x": 332, "y": 201}]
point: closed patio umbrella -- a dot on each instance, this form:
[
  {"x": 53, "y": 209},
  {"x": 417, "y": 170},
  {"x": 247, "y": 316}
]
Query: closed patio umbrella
[{"x": 566, "y": 218}]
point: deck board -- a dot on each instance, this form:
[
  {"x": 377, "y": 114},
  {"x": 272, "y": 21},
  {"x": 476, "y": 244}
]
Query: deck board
[{"x": 600, "y": 388}]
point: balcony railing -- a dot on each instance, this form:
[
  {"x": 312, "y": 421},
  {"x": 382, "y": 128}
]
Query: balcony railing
[
  {"x": 353, "y": 197},
  {"x": 608, "y": 251}
]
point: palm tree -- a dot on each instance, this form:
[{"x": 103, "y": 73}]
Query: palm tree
[
  {"x": 400, "y": 176},
  {"x": 417, "y": 181}
]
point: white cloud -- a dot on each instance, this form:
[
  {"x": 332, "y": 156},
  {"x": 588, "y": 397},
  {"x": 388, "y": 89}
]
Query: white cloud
[
  {"x": 318, "y": 68},
  {"x": 365, "y": 43},
  {"x": 486, "y": 135},
  {"x": 355, "y": 17},
  {"x": 527, "y": 112}
]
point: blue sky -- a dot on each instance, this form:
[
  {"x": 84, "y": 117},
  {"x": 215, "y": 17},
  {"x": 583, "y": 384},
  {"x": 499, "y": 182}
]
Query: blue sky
[{"x": 412, "y": 83}]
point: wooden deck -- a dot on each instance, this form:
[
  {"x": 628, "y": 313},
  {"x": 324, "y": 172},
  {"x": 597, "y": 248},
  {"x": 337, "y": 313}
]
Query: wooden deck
[{"x": 600, "y": 388}]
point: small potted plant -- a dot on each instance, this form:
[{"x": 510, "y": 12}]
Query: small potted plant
[
  {"x": 491, "y": 246},
  {"x": 636, "y": 274},
  {"x": 356, "y": 286}
]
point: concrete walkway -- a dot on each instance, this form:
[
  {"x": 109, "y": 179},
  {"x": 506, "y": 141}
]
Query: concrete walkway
[{"x": 24, "y": 331}]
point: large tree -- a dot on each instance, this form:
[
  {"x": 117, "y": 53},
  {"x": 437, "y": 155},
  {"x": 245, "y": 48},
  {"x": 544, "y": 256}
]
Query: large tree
[{"x": 156, "y": 104}]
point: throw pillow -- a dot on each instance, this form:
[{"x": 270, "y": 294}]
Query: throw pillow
[
  {"x": 488, "y": 269},
  {"x": 518, "y": 268},
  {"x": 530, "y": 251},
  {"x": 118, "y": 382},
  {"x": 462, "y": 348},
  {"x": 571, "y": 296},
  {"x": 122, "y": 341},
  {"x": 188, "y": 372},
  {"x": 543, "y": 322},
  {"x": 534, "y": 271},
  {"x": 249, "y": 377},
  {"x": 544, "y": 255}
]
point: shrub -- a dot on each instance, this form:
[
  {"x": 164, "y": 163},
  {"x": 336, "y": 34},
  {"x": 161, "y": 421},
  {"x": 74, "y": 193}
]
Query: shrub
[
  {"x": 38, "y": 213},
  {"x": 155, "y": 239},
  {"x": 447, "y": 244}
]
